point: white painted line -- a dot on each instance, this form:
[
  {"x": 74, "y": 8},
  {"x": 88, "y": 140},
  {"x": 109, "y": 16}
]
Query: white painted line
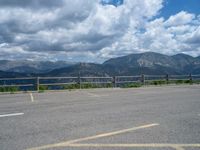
[
  {"x": 10, "y": 115},
  {"x": 93, "y": 95},
  {"x": 32, "y": 98}
]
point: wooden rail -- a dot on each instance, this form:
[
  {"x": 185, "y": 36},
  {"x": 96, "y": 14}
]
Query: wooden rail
[{"x": 37, "y": 82}]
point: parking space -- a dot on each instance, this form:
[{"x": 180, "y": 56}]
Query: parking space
[{"x": 149, "y": 118}]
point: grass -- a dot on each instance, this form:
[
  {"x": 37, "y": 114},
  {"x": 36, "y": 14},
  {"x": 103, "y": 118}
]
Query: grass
[
  {"x": 159, "y": 82},
  {"x": 70, "y": 87},
  {"x": 182, "y": 82},
  {"x": 86, "y": 86},
  {"x": 9, "y": 89},
  {"x": 43, "y": 88},
  {"x": 178, "y": 82},
  {"x": 132, "y": 85}
]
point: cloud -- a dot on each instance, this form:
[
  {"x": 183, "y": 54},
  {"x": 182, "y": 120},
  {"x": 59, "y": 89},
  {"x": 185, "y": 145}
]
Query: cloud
[
  {"x": 31, "y": 3},
  {"x": 89, "y": 31},
  {"x": 180, "y": 19},
  {"x": 160, "y": 35},
  {"x": 194, "y": 37}
]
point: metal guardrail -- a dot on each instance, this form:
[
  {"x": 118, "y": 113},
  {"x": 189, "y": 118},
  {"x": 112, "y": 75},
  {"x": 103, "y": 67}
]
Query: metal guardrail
[{"x": 34, "y": 83}]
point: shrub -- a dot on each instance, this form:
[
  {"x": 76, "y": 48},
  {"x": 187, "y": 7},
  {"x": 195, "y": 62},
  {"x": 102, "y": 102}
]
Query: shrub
[
  {"x": 9, "y": 89},
  {"x": 188, "y": 81},
  {"x": 42, "y": 88},
  {"x": 109, "y": 85},
  {"x": 87, "y": 86},
  {"x": 159, "y": 82},
  {"x": 133, "y": 85},
  {"x": 71, "y": 86},
  {"x": 179, "y": 82}
]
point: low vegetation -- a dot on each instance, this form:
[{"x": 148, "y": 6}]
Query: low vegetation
[
  {"x": 43, "y": 88},
  {"x": 9, "y": 89},
  {"x": 132, "y": 85}
]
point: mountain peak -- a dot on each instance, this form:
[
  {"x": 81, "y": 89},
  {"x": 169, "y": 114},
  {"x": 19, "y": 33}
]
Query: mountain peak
[{"x": 182, "y": 55}]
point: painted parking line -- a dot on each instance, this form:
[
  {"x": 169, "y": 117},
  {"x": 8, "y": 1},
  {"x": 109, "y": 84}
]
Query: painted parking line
[
  {"x": 72, "y": 142},
  {"x": 153, "y": 145},
  {"x": 11, "y": 115},
  {"x": 32, "y": 98},
  {"x": 112, "y": 133},
  {"x": 93, "y": 95}
]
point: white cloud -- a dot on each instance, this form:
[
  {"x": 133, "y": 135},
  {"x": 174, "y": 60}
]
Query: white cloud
[
  {"x": 182, "y": 37},
  {"x": 87, "y": 30},
  {"x": 181, "y": 18}
]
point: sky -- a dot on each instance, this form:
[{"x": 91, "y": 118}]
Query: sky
[{"x": 97, "y": 30}]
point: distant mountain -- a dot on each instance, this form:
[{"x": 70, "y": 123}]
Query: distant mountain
[
  {"x": 144, "y": 63},
  {"x": 24, "y": 66},
  {"x": 148, "y": 59},
  {"x": 4, "y": 74},
  {"x": 148, "y": 63},
  {"x": 84, "y": 69},
  {"x": 183, "y": 60}
]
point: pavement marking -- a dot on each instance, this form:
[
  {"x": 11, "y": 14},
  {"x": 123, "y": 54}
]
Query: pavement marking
[
  {"x": 153, "y": 145},
  {"x": 112, "y": 133},
  {"x": 93, "y": 95},
  {"x": 10, "y": 115},
  {"x": 178, "y": 148},
  {"x": 68, "y": 143},
  {"x": 32, "y": 98}
]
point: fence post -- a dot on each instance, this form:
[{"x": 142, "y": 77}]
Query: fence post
[
  {"x": 114, "y": 81},
  {"x": 190, "y": 77},
  {"x": 37, "y": 84},
  {"x": 167, "y": 78},
  {"x": 143, "y": 79},
  {"x": 79, "y": 81}
]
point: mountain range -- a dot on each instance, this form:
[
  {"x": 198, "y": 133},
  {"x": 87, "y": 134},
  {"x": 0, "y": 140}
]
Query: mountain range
[
  {"x": 149, "y": 63},
  {"x": 36, "y": 67}
]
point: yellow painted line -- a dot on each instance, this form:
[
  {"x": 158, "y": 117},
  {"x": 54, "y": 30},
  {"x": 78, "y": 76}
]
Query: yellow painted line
[
  {"x": 32, "y": 98},
  {"x": 174, "y": 146},
  {"x": 67, "y": 143},
  {"x": 112, "y": 133},
  {"x": 153, "y": 145},
  {"x": 178, "y": 148}
]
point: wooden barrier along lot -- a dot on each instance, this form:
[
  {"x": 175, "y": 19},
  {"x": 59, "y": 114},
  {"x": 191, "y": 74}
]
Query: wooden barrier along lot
[{"x": 57, "y": 83}]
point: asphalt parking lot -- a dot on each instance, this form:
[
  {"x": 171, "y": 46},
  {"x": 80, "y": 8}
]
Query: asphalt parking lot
[{"x": 147, "y": 118}]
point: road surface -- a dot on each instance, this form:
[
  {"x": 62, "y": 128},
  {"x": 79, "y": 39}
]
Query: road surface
[{"x": 147, "y": 118}]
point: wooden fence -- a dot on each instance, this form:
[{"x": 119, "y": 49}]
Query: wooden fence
[{"x": 36, "y": 83}]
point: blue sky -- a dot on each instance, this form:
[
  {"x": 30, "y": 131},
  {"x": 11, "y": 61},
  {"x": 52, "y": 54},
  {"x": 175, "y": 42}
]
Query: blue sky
[
  {"x": 96, "y": 30},
  {"x": 112, "y": 2},
  {"x": 172, "y": 7}
]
